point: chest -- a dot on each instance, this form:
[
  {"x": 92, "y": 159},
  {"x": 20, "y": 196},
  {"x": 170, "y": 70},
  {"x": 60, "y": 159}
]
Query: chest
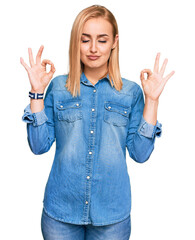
[{"x": 111, "y": 107}]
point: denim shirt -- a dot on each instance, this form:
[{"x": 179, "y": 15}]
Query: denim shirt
[{"x": 89, "y": 181}]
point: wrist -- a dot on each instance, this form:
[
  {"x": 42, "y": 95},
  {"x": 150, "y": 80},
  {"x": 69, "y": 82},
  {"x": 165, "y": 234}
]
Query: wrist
[
  {"x": 37, "y": 90},
  {"x": 151, "y": 101}
]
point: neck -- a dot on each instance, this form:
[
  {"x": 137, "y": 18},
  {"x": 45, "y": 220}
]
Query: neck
[{"x": 93, "y": 75}]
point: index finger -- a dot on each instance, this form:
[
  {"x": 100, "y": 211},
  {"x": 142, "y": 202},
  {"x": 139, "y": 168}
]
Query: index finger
[{"x": 38, "y": 57}]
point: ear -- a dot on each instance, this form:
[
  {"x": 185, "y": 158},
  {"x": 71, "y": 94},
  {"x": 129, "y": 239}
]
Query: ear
[{"x": 115, "y": 41}]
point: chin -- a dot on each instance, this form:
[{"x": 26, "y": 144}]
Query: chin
[{"x": 93, "y": 65}]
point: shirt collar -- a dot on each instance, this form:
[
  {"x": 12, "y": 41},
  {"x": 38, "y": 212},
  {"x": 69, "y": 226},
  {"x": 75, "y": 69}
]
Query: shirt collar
[{"x": 84, "y": 79}]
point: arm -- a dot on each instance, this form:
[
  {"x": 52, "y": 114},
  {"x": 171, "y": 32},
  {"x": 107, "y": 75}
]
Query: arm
[
  {"x": 150, "y": 111},
  {"x": 141, "y": 134},
  {"x": 40, "y": 125},
  {"x": 39, "y": 114},
  {"x": 140, "y": 143},
  {"x": 153, "y": 87}
]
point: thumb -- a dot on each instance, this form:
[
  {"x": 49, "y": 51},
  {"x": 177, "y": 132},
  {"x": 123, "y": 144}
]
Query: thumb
[
  {"x": 149, "y": 73},
  {"x": 52, "y": 71}
]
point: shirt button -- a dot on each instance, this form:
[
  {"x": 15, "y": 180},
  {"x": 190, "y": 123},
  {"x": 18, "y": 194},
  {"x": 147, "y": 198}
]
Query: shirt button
[
  {"x": 86, "y": 202},
  {"x": 125, "y": 112},
  {"x": 109, "y": 107},
  {"x": 93, "y": 109},
  {"x": 61, "y": 106},
  {"x": 77, "y": 104},
  {"x": 94, "y": 90},
  {"x": 91, "y": 131},
  {"x": 88, "y": 177},
  {"x": 90, "y": 152}
]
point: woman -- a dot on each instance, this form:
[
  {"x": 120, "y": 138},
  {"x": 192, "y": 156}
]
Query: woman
[{"x": 93, "y": 115}]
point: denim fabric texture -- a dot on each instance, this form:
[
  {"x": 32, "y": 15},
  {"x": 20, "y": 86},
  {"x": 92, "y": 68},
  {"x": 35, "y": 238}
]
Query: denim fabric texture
[
  {"x": 89, "y": 181},
  {"x": 57, "y": 230}
]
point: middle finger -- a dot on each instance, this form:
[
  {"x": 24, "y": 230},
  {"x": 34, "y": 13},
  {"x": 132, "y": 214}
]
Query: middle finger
[
  {"x": 38, "y": 57},
  {"x": 156, "y": 65}
]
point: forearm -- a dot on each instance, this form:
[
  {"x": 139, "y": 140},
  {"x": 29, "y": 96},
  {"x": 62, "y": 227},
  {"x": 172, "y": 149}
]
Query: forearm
[
  {"x": 143, "y": 128},
  {"x": 40, "y": 129},
  {"x": 36, "y": 105},
  {"x": 40, "y": 122},
  {"x": 40, "y": 139},
  {"x": 150, "y": 111},
  {"x": 141, "y": 148}
]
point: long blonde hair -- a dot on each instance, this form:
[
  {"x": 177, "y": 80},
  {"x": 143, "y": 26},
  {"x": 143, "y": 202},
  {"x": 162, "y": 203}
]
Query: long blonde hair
[{"x": 75, "y": 65}]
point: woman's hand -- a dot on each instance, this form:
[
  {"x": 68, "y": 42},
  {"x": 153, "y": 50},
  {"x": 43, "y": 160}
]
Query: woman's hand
[
  {"x": 154, "y": 84},
  {"x": 39, "y": 78}
]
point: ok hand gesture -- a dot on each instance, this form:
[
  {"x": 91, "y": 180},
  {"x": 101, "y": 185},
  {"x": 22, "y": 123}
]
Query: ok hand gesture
[
  {"x": 154, "y": 84},
  {"x": 37, "y": 74}
]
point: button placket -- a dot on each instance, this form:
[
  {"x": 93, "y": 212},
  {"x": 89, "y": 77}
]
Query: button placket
[{"x": 90, "y": 157}]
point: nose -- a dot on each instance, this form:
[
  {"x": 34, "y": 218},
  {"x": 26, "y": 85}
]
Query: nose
[{"x": 93, "y": 47}]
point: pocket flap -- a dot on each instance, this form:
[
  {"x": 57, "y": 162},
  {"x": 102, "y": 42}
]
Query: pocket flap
[
  {"x": 68, "y": 104},
  {"x": 117, "y": 107}
]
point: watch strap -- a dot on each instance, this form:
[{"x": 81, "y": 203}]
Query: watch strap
[{"x": 36, "y": 95}]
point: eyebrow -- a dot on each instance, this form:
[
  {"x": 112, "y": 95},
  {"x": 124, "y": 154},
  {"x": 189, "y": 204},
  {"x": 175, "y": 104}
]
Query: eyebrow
[{"x": 100, "y": 35}]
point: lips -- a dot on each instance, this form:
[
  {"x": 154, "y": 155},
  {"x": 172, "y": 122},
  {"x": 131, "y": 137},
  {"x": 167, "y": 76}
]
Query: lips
[{"x": 93, "y": 57}]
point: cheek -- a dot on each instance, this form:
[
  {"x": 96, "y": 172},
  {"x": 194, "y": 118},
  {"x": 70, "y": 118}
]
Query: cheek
[
  {"x": 105, "y": 50},
  {"x": 83, "y": 50}
]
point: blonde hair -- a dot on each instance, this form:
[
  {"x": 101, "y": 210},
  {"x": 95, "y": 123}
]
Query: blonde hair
[{"x": 75, "y": 65}]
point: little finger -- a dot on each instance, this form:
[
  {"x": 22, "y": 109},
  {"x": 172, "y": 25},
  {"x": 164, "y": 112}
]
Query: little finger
[
  {"x": 24, "y": 64},
  {"x": 168, "y": 76}
]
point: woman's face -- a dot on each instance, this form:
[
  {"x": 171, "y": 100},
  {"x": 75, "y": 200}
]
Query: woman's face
[{"x": 96, "y": 43}]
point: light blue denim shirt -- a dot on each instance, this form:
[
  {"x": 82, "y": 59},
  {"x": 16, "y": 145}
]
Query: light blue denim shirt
[{"x": 89, "y": 182}]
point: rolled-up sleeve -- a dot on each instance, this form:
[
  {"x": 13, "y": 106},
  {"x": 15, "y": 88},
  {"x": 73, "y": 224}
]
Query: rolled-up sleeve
[
  {"x": 141, "y": 135},
  {"x": 36, "y": 119},
  {"x": 40, "y": 125},
  {"x": 148, "y": 130}
]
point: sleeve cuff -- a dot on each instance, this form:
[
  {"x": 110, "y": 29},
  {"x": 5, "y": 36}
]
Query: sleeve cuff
[
  {"x": 36, "y": 119},
  {"x": 149, "y": 130}
]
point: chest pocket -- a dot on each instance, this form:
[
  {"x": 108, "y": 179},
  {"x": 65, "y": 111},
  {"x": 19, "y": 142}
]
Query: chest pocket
[
  {"x": 116, "y": 113},
  {"x": 69, "y": 111}
]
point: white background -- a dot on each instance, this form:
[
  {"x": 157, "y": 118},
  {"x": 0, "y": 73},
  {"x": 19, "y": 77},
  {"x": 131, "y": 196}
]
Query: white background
[{"x": 163, "y": 195}]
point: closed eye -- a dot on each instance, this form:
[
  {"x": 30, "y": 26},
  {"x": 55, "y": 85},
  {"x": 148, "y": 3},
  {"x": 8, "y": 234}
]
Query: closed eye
[{"x": 84, "y": 41}]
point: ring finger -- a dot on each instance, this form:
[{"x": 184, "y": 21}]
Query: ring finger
[
  {"x": 31, "y": 57},
  {"x": 162, "y": 70}
]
